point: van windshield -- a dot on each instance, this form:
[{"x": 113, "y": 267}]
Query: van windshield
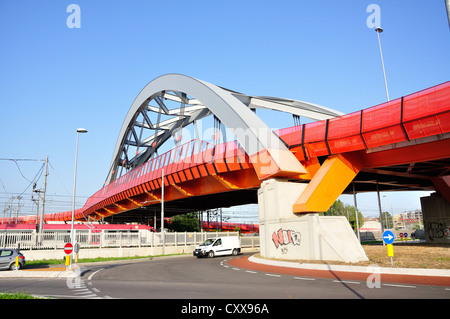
[{"x": 207, "y": 242}]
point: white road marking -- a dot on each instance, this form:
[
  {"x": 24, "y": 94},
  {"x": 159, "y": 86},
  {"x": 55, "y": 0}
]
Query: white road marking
[
  {"x": 92, "y": 275},
  {"x": 401, "y": 286},
  {"x": 302, "y": 278}
]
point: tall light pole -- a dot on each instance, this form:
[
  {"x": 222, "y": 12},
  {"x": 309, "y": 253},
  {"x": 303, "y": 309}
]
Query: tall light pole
[
  {"x": 447, "y": 6},
  {"x": 162, "y": 211},
  {"x": 379, "y": 30},
  {"x": 72, "y": 238}
]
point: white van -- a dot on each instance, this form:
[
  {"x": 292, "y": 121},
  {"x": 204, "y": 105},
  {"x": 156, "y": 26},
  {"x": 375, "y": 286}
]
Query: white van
[{"x": 218, "y": 247}]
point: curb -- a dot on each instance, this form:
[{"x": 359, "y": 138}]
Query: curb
[
  {"x": 55, "y": 272},
  {"x": 38, "y": 274},
  {"x": 359, "y": 269}
]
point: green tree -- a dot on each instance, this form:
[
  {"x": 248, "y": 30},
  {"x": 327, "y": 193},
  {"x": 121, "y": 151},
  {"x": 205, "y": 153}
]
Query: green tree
[
  {"x": 340, "y": 209},
  {"x": 185, "y": 222},
  {"x": 387, "y": 220}
]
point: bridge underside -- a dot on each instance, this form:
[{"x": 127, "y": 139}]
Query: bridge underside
[
  {"x": 416, "y": 176},
  {"x": 186, "y": 205}
]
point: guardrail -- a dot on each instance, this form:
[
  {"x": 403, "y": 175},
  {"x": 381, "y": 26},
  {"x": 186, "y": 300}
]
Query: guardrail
[{"x": 57, "y": 240}]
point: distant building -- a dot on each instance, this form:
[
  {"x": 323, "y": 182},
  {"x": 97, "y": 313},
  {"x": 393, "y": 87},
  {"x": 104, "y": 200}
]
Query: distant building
[
  {"x": 408, "y": 219},
  {"x": 370, "y": 225}
]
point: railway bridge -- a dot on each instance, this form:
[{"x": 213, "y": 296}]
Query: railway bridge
[{"x": 292, "y": 173}]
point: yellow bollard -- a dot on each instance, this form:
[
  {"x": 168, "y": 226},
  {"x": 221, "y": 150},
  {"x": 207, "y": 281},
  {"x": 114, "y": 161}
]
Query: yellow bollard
[
  {"x": 17, "y": 262},
  {"x": 67, "y": 260},
  {"x": 390, "y": 252}
]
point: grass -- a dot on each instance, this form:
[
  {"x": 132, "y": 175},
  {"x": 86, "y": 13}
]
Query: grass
[
  {"x": 405, "y": 256},
  {"x": 17, "y": 295},
  {"x": 411, "y": 256}
]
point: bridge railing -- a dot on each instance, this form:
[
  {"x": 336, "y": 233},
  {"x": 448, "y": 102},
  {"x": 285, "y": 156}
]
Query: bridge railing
[
  {"x": 57, "y": 240},
  {"x": 418, "y": 115}
]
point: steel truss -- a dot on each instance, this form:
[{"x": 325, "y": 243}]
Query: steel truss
[{"x": 171, "y": 102}]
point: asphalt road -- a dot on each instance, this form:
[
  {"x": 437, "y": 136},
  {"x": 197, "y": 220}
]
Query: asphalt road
[{"x": 190, "y": 278}]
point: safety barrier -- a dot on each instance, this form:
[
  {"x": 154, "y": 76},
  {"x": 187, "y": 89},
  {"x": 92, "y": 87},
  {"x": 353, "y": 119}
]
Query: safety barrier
[
  {"x": 86, "y": 239},
  {"x": 414, "y": 116}
]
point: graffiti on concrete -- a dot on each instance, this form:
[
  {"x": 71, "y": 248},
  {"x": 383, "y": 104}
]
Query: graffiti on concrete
[
  {"x": 435, "y": 230},
  {"x": 285, "y": 237}
]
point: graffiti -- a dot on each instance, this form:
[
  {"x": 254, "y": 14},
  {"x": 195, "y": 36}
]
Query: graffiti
[
  {"x": 285, "y": 237},
  {"x": 434, "y": 230}
]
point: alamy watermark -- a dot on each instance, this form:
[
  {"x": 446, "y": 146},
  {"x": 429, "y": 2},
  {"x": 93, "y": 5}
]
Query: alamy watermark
[
  {"x": 74, "y": 19},
  {"x": 374, "y": 19},
  {"x": 374, "y": 279}
]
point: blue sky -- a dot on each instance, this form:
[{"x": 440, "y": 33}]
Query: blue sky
[{"x": 54, "y": 79}]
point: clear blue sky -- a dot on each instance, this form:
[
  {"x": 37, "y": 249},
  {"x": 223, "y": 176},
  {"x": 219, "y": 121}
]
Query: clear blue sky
[{"x": 54, "y": 79}]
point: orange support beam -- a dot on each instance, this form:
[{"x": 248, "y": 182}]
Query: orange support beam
[
  {"x": 270, "y": 163},
  {"x": 328, "y": 183}
]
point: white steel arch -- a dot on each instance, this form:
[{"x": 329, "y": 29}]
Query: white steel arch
[{"x": 196, "y": 99}]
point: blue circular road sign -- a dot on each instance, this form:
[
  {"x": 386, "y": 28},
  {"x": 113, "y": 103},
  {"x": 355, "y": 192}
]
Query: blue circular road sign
[{"x": 388, "y": 237}]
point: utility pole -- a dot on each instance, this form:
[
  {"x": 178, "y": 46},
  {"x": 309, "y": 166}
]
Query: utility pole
[
  {"x": 18, "y": 208},
  {"x": 379, "y": 30},
  {"x": 356, "y": 211},
  {"x": 379, "y": 209},
  {"x": 41, "y": 219}
]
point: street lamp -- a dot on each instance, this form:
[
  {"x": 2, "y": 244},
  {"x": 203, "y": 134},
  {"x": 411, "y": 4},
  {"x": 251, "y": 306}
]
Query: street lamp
[
  {"x": 72, "y": 238},
  {"x": 379, "y": 30}
]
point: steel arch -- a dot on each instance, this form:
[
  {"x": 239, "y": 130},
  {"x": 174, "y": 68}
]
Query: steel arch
[{"x": 267, "y": 152}]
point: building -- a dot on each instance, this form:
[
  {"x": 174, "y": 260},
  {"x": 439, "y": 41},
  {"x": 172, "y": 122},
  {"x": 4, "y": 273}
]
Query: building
[
  {"x": 370, "y": 225},
  {"x": 408, "y": 219}
]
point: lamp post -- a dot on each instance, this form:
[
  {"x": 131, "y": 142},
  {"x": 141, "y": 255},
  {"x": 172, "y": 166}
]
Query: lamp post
[
  {"x": 379, "y": 30},
  {"x": 72, "y": 237}
]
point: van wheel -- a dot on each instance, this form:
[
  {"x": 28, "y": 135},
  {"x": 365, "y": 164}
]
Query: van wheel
[
  {"x": 234, "y": 252},
  {"x": 211, "y": 254}
]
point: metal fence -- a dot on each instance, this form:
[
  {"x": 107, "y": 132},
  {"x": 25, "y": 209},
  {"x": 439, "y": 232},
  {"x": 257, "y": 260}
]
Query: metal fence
[{"x": 57, "y": 240}]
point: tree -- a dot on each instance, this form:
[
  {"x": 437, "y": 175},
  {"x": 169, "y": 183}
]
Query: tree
[
  {"x": 387, "y": 220},
  {"x": 340, "y": 209},
  {"x": 185, "y": 222}
]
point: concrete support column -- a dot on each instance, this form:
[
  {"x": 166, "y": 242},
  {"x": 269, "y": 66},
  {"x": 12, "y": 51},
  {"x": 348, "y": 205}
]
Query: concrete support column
[
  {"x": 285, "y": 235},
  {"x": 436, "y": 218}
]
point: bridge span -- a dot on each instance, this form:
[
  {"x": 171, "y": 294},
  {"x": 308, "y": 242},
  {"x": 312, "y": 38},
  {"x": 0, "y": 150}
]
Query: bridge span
[{"x": 403, "y": 144}]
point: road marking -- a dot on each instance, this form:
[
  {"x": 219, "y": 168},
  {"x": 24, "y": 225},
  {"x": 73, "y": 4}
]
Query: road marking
[
  {"x": 346, "y": 282},
  {"x": 401, "y": 286},
  {"x": 251, "y": 272},
  {"x": 273, "y": 275},
  {"x": 92, "y": 275},
  {"x": 302, "y": 278},
  {"x": 82, "y": 291},
  {"x": 235, "y": 268},
  {"x": 89, "y": 296}
]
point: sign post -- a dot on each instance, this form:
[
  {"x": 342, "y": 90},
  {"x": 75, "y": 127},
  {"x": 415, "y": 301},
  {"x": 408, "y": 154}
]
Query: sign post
[
  {"x": 406, "y": 236},
  {"x": 76, "y": 251},
  {"x": 388, "y": 238},
  {"x": 68, "y": 249},
  {"x": 401, "y": 236}
]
